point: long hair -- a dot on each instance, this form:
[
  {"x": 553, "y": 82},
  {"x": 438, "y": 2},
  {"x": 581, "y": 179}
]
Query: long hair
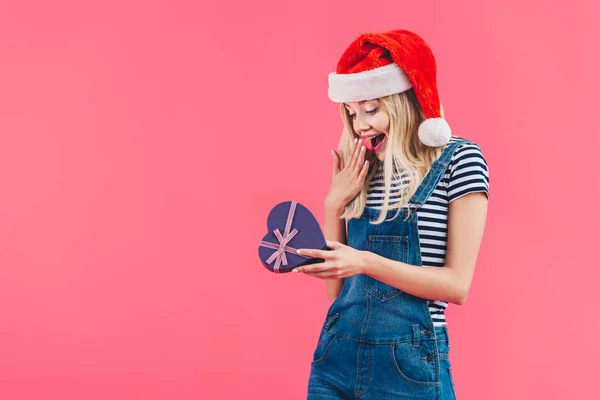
[{"x": 405, "y": 155}]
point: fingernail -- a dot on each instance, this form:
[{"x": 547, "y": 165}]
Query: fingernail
[
  {"x": 294, "y": 270},
  {"x": 332, "y": 153},
  {"x": 355, "y": 140},
  {"x": 298, "y": 251},
  {"x": 362, "y": 148}
]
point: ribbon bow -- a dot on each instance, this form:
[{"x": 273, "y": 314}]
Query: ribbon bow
[{"x": 279, "y": 256}]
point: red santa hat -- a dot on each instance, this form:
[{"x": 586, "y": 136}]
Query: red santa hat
[{"x": 381, "y": 64}]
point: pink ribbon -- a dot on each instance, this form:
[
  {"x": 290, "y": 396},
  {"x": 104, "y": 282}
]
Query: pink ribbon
[{"x": 279, "y": 256}]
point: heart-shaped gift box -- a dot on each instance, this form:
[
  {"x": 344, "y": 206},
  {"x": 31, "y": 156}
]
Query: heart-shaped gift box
[{"x": 291, "y": 226}]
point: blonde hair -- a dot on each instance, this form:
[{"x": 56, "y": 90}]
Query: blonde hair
[{"x": 405, "y": 155}]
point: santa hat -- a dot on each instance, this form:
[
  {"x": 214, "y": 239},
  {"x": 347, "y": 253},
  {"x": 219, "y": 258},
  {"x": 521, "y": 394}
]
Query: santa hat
[{"x": 381, "y": 64}]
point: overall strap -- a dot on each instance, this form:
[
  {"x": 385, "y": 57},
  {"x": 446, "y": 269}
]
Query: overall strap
[{"x": 435, "y": 175}]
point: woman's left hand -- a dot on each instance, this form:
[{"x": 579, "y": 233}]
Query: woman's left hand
[{"x": 341, "y": 261}]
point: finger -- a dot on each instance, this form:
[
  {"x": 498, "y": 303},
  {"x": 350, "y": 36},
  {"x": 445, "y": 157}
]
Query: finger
[
  {"x": 323, "y": 275},
  {"x": 363, "y": 172},
  {"x": 318, "y": 267},
  {"x": 342, "y": 163},
  {"x": 336, "y": 162},
  {"x": 314, "y": 253},
  {"x": 331, "y": 273},
  {"x": 355, "y": 152},
  {"x": 332, "y": 244},
  {"x": 361, "y": 160}
]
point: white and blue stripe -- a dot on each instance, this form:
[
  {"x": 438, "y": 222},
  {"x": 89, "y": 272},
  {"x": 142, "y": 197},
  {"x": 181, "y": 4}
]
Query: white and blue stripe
[{"x": 466, "y": 173}]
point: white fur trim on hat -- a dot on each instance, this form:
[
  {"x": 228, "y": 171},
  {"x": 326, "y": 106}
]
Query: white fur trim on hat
[
  {"x": 368, "y": 85},
  {"x": 434, "y": 132}
]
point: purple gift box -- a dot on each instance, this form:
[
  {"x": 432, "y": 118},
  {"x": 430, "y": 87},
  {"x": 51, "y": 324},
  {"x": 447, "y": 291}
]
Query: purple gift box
[{"x": 291, "y": 226}]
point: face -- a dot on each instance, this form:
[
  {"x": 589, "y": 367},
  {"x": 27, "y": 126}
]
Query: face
[{"x": 371, "y": 123}]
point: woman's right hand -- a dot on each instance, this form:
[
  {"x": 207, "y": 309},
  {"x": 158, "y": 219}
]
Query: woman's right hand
[{"x": 349, "y": 179}]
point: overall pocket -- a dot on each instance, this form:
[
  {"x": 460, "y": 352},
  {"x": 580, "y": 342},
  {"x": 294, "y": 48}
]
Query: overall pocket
[
  {"x": 394, "y": 248},
  {"x": 326, "y": 339},
  {"x": 419, "y": 365}
]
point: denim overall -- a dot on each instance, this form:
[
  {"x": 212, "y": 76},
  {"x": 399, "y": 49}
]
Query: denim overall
[{"x": 379, "y": 342}]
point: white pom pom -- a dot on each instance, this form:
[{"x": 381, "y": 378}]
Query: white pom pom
[{"x": 435, "y": 132}]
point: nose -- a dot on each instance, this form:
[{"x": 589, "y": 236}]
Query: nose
[{"x": 360, "y": 125}]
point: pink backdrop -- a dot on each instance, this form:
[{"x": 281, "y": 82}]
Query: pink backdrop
[{"x": 137, "y": 137}]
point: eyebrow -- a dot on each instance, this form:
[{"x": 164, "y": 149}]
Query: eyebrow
[{"x": 360, "y": 103}]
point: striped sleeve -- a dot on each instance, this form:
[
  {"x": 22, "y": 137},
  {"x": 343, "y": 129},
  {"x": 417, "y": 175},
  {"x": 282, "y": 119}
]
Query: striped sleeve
[{"x": 468, "y": 172}]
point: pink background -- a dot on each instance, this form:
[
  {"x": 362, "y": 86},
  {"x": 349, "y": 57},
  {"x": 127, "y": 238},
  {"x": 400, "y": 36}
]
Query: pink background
[{"x": 136, "y": 137}]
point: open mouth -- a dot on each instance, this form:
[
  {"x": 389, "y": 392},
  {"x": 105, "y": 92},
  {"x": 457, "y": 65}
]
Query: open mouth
[{"x": 373, "y": 143}]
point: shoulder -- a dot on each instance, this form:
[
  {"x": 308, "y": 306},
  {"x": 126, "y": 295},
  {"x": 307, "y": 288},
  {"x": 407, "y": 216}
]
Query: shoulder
[
  {"x": 466, "y": 149},
  {"x": 467, "y": 154},
  {"x": 468, "y": 169}
]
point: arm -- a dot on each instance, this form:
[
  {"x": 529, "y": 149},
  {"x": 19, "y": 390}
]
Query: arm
[
  {"x": 451, "y": 283},
  {"x": 346, "y": 184},
  {"x": 334, "y": 229}
]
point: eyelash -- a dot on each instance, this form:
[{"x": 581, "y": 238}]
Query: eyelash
[{"x": 373, "y": 111}]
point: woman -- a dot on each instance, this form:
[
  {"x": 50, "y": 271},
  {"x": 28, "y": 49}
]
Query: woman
[{"x": 404, "y": 220}]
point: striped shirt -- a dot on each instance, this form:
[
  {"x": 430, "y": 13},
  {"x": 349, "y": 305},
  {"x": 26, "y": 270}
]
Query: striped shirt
[{"x": 466, "y": 173}]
